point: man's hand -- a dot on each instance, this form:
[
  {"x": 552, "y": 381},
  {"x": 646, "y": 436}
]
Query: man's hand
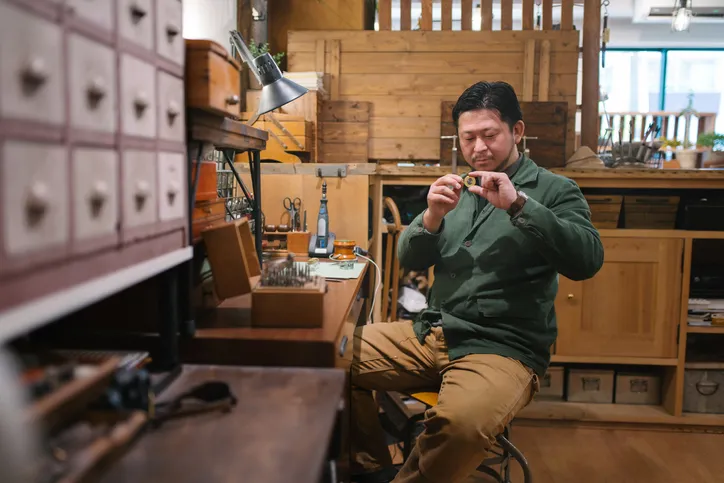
[
  {"x": 496, "y": 188},
  {"x": 442, "y": 198}
]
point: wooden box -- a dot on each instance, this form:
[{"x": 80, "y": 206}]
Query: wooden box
[
  {"x": 208, "y": 214},
  {"x": 232, "y": 256},
  {"x": 288, "y": 307},
  {"x": 551, "y": 386},
  {"x": 590, "y": 385},
  {"x": 634, "y": 388},
  {"x": 212, "y": 78},
  {"x": 605, "y": 210},
  {"x": 650, "y": 212}
]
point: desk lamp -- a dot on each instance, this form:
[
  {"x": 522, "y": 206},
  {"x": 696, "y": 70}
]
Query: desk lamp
[{"x": 277, "y": 90}]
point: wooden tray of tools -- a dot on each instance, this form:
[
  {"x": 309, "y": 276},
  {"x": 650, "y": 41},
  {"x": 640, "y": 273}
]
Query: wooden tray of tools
[{"x": 288, "y": 296}]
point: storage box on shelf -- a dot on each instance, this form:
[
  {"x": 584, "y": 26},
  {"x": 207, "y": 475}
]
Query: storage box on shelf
[{"x": 92, "y": 159}]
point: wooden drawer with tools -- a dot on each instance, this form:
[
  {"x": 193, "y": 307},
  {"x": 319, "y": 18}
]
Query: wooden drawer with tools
[{"x": 212, "y": 78}]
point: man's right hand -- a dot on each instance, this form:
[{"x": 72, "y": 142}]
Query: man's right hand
[{"x": 442, "y": 198}]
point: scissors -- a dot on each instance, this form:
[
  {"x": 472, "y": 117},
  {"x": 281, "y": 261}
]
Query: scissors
[{"x": 293, "y": 206}]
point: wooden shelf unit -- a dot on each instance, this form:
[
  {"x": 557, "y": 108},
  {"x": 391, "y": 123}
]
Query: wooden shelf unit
[
  {"x": 704, "y": 330},
  {"x": 634, "y": 258}
]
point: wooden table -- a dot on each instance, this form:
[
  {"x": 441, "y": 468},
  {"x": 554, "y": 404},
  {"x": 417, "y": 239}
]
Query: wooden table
[
  {"x": 225, "y": 335},
  {"x": 278, "y": 432}
]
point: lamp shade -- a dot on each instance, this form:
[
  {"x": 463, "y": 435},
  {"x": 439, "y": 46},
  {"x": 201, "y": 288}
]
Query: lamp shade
[{"x": 276, "y": 89}]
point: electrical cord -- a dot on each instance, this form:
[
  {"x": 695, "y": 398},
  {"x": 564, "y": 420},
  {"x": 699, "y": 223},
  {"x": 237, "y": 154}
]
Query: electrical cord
[
  {"x": 362, "y": 253},
  {"x": 378, "y": 278}
]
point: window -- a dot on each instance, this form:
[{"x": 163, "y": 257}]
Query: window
[
  {"x": 699, "y": 75},
  {"x": 632, "y": 81}
]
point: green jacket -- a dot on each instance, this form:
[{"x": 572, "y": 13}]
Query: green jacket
[{"x": 496, "y": 278}]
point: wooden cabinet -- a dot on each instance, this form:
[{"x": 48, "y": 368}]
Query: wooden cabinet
[{"x": 630, "y": 308}]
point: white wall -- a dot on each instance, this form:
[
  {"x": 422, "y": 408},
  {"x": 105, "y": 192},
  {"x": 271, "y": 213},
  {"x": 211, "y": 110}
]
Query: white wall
[
  {"x": 625, "y": 33},
  {"x": 210, "y": 19}
]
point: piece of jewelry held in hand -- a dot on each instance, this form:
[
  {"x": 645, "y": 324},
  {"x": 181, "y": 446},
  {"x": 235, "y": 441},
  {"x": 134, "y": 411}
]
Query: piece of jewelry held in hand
[{"x": 470, "y": 181}]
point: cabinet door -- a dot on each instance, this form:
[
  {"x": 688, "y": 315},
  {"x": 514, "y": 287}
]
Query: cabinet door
[{"x": 630, "y": 308}]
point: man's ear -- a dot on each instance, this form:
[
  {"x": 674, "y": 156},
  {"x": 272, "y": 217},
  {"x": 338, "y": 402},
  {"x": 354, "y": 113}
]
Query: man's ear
[{"x": 518, "y": 131}]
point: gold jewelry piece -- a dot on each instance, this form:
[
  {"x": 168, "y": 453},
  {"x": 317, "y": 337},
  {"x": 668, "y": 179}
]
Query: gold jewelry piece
[{"x": 470, "y": 181}]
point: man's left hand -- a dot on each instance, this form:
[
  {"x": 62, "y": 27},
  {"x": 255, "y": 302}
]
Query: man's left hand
[{"x": 496, "y": 188}]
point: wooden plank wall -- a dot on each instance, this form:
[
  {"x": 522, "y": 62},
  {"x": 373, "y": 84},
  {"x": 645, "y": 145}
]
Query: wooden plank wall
[
  {"x": 405, "y": 76},
  {"x": 343, "y": 132}
]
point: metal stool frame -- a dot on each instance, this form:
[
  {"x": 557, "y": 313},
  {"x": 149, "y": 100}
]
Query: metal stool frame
[{"x": 502, "y": 453}]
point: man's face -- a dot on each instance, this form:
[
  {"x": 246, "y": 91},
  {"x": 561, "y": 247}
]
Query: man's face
[{"x": 487, "y": 142}]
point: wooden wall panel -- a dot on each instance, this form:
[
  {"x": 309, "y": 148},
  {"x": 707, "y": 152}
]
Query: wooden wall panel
[
  {"x": 406, "y": 75},
  {"x": 405, "y": 14},
  {"x": 348, "y": 200},
  {"x": 466, "y": 14},
  {"x": 486, "y": 11},
  {"x": 343, "y": 134}
]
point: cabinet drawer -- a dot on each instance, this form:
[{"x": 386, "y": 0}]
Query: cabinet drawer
[
  {"x": 212, "y": 78},
  {"x": 138, "y": 97},
  {"x": 171, "y": 107},
  {"x": 31, "y": 72},
  {"x": 35, "y": 197},
  {"x": 171, "y": 186},
  {"x": 135, "y": 22},
  {"x": 98, "y": 12},
  {"x": 590, "y": 386},
  {"x": 198, "y": 226},
  {"x": 92, "y": 85},
  {"x": 95, "y": 193},
  {"x": 207, "y": 209},
  {"x": 139, "y": 188},
  {"x": 169, "y": 41}
]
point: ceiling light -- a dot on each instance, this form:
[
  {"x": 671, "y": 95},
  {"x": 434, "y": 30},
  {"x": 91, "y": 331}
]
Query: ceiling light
[{"x": 681, "y": 18}]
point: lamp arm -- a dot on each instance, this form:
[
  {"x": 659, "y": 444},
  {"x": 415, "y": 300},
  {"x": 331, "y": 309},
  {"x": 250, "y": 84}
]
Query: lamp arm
[{"x": 246, "y": 56}]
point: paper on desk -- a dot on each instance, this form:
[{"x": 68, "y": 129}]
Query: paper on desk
[{"x": 332, "y": 270}]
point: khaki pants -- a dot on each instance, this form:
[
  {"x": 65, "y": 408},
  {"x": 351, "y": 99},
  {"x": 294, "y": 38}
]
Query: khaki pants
[{"x": 478, "y": 396}]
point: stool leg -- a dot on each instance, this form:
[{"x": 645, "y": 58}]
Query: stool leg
[{"x": 508, "y": 446}]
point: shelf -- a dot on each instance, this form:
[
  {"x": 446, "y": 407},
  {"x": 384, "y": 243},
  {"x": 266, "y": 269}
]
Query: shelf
[
  {"x": 704, "y": 365},
  {"x": 613, "y": 413},
  {"x": 640, "y": 361},
  {"x": 36, "y": 312},
  {"x": 634, "y": 233},
  {"x": 694, "y": 329}
]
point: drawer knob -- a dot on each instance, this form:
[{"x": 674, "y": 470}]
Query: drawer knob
[
  {"x": 142, "y": 191},
  {"x": 96, "y": 89},
  {"x": 172, "y": 31},
  {"x": 570, "y": 296},
  {"x": 173, "y": 110},
  {"x": 99, "y": 193},
  {"x": 141, "y": 103},
  {"x": 173, "y": 190},
  {"x": 35, "y": 72},
  {"x": 38, "y": 198},
  {"x": 137, "y": 12},
  {"x": 232, "y": 100}
]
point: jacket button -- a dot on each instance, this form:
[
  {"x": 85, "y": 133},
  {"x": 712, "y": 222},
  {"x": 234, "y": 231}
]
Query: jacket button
[
  {"x": 452, "y": 275},
  {"x": 468, "y": 243}
]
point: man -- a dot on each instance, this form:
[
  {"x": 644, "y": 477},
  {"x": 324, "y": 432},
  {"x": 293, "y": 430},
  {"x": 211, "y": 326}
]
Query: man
[{"x": 484, "y": 339}]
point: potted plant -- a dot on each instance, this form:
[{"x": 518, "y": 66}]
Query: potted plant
[
  {"x": 713, "y": 145},
  {"x": 257, "y": 50},
  {"x": 688, "y": 156}
]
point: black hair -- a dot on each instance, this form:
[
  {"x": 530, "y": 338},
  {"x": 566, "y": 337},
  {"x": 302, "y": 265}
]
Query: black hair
[{"x": 497, "y": 96}]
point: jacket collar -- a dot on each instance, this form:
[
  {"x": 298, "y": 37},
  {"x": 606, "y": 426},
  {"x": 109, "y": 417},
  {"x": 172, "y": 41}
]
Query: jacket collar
[{"x": 527, "y": 172}]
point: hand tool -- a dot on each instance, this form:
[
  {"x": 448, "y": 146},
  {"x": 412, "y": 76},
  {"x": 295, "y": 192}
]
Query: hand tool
[{"x": 292, "y": 206}]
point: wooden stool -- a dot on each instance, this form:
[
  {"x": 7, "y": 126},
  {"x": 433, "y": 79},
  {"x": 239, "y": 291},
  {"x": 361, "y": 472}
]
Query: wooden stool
[
  {"x": 403, "y": 421},
  {"x": 392, "y": 265}
]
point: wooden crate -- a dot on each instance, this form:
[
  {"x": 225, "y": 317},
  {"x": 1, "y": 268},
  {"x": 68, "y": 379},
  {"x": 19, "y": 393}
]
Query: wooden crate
[
  {"x": 650, "y": 212},
  {"x": 605, "y": 210}
]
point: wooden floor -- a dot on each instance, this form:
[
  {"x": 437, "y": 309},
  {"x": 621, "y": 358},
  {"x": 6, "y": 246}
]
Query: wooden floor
[{"x": 584, "y": 455}]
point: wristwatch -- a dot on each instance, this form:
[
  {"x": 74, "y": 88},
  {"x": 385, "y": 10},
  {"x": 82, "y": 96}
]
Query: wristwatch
[{"x": 518, "y": 204}]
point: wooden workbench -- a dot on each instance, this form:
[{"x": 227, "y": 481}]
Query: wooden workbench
[
  {"x": 279, "y": 431},
  {"x": 225, "y": 334}
]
